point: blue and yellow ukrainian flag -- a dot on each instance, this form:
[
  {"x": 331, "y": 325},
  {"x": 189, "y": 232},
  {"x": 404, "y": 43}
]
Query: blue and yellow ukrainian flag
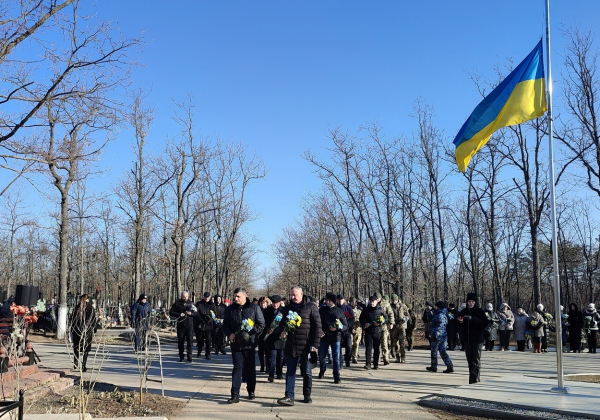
[{"x": 520, "y": 97}]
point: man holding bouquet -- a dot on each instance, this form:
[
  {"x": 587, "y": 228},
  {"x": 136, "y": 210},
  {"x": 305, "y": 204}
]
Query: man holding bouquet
[
  {"x": 273, "y": 318},
  {"x": 334, "y": 325},
  {"x": 301, "y": 330},
  {"x": 243, "y": 322}
]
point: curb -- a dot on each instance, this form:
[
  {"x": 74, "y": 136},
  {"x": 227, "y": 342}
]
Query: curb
[{"x": 499, "y": 414}]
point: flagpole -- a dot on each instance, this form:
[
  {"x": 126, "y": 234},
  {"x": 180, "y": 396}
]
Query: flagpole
[{"x": 558, "y": 319}]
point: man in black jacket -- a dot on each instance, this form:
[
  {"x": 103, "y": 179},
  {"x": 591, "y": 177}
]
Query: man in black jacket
[
  {"x": 346, "y": 343},
  {"x": 243, "y": 341},
  {"x": 184, "y": 312},
  {"x": 299, "y": 344},
  {"x": 333, "y": 325},
  {"x": 274, "y": 355},
  {"x": 472, "y": 322},
  {"x": 203, "y": 324}
]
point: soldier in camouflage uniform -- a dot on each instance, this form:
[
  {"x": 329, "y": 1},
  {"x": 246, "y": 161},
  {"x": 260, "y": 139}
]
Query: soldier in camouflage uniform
[
  {"x": 355, "y": 329},
  {"x": 398, "y": 333},
  {"x": 386, "y": 328},
  {"x": 410, "y": 326}
]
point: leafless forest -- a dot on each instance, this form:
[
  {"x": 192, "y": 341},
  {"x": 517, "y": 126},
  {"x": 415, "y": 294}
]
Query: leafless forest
[{"x": 393, "y": 214}]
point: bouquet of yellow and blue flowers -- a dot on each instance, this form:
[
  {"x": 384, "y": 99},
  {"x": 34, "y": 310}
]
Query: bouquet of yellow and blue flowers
[
  {"x": 337, "y": 325},
  {"x": 292, "y": 321},
  {"x": 244, "y": 330},
  {"x": 274, "y": 325},
  {"x": 215, "y": 319},
  {"x": 565, "y": 319}
]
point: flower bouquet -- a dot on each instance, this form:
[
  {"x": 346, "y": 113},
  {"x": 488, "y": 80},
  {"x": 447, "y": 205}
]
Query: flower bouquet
[
  {"x": 244, "y": 330},
  {"x": 337, "y": 325},
  {"x": 215, "y": 319},
  {"x": 450, "y": 316},
  {"x": 274, "y": 325},
  {"x": 548, "y": 316},
  {"x": 565, "y": 320},
  {"x": 292, "y": 321}
]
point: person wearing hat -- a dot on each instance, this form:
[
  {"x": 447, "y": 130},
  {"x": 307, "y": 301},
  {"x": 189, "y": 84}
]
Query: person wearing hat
[
  {"x": 346, "y": 343},
  {"x": 384, "y": 302},
  {"x": 203, "y": 324},
  {"x": 184, "y": 312},
  {"x": 472, "y": 321},
  {"x": 356, "y": 329},
  {"x": 243, "y": 342},
  {"x": 545, "y": 327},
  {"x": 591, "y": 320},
  {"x": 140, "y": 321},
  {"x": 333, "y": 325},
  {"x": 410, "y": 326},
  {"x": 274, "y": 355},
  {"x": 372, "y": 319},
  {"x": 439, "y": 337},
  {"x": 399, "y": 332},
  {"x": 507, "y": 320}
]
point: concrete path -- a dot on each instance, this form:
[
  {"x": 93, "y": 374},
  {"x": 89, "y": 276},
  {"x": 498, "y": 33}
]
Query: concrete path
[{"x": 204, "y": 385}]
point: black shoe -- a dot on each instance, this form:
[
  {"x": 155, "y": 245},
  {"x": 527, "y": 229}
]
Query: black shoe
[
  {"x": 386, "y": 362},
  {"x": 262, "y": 369},
  {"x": 251, "y": 396},
  {"x": 375, "y": 367},
  {"x": 307, "y": 400},
  {"x": 321, "y": 374},
  {"x": 233, "y": 400},
  {"x": 270, "y": 379},
  {"x": 199, "y": 355},
  {"x": 189, "y": 360},
  {"x": 84, "y": 369},
  {"x": 337, "y": 381},
  {"x": 367, "y": 367},
  {"x": 207, "y": 357},
  {"x": 223, "y": 352},
  {"x": 431, "y": 369},
  {"x": 181, "y": 359},
  {"x": 450, "y": 369},
  {"x": 348, "y": 363},
  {"x": 285, "y": 401},
  {"x": 280, "y": 377}
]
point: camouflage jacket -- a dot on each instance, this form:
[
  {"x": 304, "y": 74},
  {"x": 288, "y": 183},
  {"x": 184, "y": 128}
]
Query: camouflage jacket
[
  {"x": 401, "y": 315},
  {"x": 389, "y": 313}
]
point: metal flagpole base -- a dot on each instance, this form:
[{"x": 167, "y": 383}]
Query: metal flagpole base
[{"x": 560, "y": 390}]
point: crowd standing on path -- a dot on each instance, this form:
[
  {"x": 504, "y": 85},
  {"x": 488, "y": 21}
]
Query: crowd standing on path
[{"x": 301, "y": 333}]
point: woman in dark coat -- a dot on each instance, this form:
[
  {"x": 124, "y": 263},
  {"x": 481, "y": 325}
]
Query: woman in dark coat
[
  {"x": 83, "y": 325},
  {"x": 371, "y": 319},
  {"x": 575, "y": 327}
]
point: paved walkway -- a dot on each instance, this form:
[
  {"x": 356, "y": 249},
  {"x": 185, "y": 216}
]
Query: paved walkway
[{"x": 384, "y": 393}]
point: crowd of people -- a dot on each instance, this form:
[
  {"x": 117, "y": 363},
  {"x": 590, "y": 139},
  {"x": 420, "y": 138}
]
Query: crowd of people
[{"x": 306, "y": 333}]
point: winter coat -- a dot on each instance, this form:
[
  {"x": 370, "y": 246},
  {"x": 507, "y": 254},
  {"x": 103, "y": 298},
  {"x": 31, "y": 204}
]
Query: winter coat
[
  {"x": 439, "y": 324},
  {"x": 234, "y": 315},
  {"x": 452, "y": 327},
  {"x": 520, "y": 326},
  {"x": 426, "y": 318},
  {"x": 308, "y": 334},
  {"x": 491, "y": 329},
  {"x": 591, "y": 320},
  {"x": 472, "y": 329},
  {"x": 538, "y": 329},
  {"x": 269, "y": 314},
  {"x": 140, "y": 315},
  {"x": 371, "y": 315},
  {"x": 203, "y": 320},
  {"x": 83, "y": 328},
  {"x": 181, "y": 307},
  {"x": 507, "y": 319},
  {"x": 400, "y": 314},
  {"x": 412, "y": 321},
  {"x": 328, "y": 319},
  {"x": 220, "y": 314}
]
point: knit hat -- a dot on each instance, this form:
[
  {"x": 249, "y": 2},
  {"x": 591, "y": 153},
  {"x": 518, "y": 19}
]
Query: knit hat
[
  {"x": 385, "y": 297},
  {"x": 440, "y": 304},
  {"x": 489, "y": 307},
  {"x": 428, "y": 303},
  {"x": 394, "y": 297},
  {"x": 591, "y": 306},
  {"x": 352, "y": 299},
  {"x": 143, "y": 296},
  {"x": 374, "y": 297},
  {"x": 472, "y": 296},
  {"x": 275, "y": 298},
  {"x": 540, "y": 307},
  {"x": 227, "y": 300},
  {"x": 377, "y": 295},
  {"x": 409, "y": 305},
  {"x": 331, "y": 296}
]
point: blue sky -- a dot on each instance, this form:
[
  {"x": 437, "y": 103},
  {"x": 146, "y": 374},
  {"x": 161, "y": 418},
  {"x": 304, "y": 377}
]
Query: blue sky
[{"x": 277, "y": 75}]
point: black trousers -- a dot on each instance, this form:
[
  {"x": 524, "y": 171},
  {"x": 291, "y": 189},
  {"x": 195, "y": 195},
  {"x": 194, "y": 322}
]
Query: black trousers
[
  {"x": 473, "y": 353},
  {"x": 409, "y": 338},
  {"x": 244, "y": 362},
  {"x": 373, "y": 341},
  {"x": 81, "y": 349},
  {"x": 262, "y": 353},
  {"x": 185, "y": 336},
  {"x": 452, "y": 338},
  {"x": 346, "y": 345},
  {"x": 275, "y": 362},
  {"x": 203, "y": 337},
  {"x": 219, "y": 339},
  {"x": 504, "y": 339},
  {"x": 592, "y": 341},
  {"x": 520, "y": 345}
]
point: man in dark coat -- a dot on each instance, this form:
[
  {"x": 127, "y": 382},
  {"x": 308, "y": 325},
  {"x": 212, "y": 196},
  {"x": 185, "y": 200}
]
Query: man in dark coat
[
  {"x": 140, "y": 321},
  {"x": 184, "y": 311},
  {"x": 472, "y": 322},
  {"x": 243, "y": 341},
  {"x": 274, "y": 355},
  {"x": 203, "y": 324},
  {"x": 218, "y": 334},
  {"x": 333, "y": 325},
  {"x": 299, "y": 344},
  {"x": 346, "y": 343}
]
